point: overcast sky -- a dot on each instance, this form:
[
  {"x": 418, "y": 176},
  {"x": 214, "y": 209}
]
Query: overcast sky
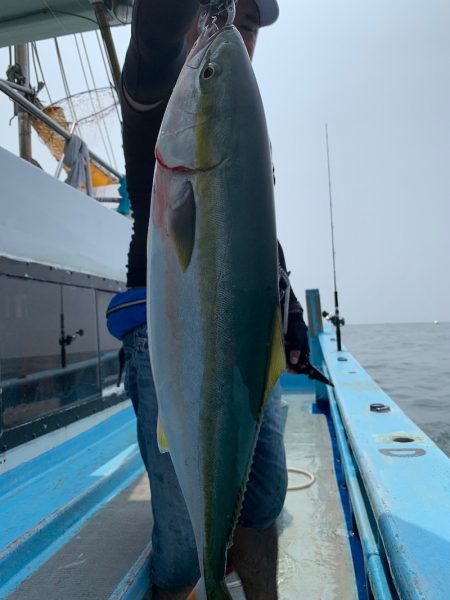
[{"x": 378, "y": 74}]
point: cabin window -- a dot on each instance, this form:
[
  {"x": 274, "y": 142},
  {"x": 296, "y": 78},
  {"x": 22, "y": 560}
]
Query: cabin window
[
  {"x": 48, "y": 349},
  {"x": 29, "y": 348},
  {"x": 79, "y": 377}
]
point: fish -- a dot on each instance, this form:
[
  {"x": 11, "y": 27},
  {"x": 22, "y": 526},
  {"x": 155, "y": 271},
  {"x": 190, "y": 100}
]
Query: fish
[{"x": 215, "y": 328}]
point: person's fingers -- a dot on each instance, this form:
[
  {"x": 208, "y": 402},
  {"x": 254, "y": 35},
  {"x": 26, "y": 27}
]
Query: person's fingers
[{"x": 294, "y": 356}]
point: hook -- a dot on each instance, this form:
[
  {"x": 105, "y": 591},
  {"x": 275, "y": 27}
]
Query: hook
[{"x": 214, "y": 8}]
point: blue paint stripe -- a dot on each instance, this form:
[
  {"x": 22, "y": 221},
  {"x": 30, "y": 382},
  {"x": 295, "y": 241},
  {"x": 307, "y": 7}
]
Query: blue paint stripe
[
  {"x": 116, "y": 462},
  {"x": 57, "y": 486},
  {"x": 48, "y": 499},
  {"x": 38, "y": 466},
  {"x": 36, "y": 547}
]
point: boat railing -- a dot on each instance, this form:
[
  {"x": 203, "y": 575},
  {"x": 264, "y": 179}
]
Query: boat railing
[
  {"x": 16, "y": 93},
  {"x": 397, "y": 479}
]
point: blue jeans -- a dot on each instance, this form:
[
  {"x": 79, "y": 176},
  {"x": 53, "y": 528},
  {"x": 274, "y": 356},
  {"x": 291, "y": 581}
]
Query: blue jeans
[{"x": 174, "y": 561}]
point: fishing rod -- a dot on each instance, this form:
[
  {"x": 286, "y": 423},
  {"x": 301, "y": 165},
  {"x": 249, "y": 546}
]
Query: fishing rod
[{"x": 335, "y": 319}]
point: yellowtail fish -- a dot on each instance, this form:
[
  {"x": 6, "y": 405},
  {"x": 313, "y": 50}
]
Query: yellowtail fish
[{"x": 214, "y": 318}]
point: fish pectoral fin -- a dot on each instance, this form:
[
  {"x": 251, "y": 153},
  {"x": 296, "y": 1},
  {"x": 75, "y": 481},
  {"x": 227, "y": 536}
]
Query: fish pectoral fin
[
  {"x": 161, "y": 437},
  {"x": 182, "y": 217},
  {"x": 277, "y": 358}
]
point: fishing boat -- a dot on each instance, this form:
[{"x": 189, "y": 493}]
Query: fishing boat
[{"x": 367, "y": 512}]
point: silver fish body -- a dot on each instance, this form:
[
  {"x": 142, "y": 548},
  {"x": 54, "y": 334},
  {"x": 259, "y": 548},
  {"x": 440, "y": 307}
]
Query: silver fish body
[{"x": 214, "y": 319}]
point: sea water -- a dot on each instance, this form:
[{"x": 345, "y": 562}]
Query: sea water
[{"x": 411, "y": 363}]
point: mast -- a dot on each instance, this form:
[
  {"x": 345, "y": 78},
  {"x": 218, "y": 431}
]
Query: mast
[
  {"x": 103, "y": 23},
  {"x": 21, "y": 59}
]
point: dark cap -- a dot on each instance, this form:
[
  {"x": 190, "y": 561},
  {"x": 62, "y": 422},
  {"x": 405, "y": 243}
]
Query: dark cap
[{"x": 268, "y": 11}]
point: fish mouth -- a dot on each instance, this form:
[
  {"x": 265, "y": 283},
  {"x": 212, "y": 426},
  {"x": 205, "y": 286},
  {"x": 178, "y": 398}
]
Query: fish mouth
[{"x": 183, "y": 168}]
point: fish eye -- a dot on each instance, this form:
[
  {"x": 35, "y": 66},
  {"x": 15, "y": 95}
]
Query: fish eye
[{"x": 210, "y": 71}]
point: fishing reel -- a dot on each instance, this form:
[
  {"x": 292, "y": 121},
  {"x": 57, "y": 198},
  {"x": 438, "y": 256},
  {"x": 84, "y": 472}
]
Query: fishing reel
[
  {"x": 66, "y": 340},
  {"x": 337, "y": 322},
  {"x": 334, "y": 319}
]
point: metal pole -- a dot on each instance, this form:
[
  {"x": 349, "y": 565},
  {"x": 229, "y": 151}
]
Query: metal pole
[
  {"x": 25, "y": 89},
  {"x": 30, "y": 108},
  {"x": 103, "y": 23},
  {"x": 21, "y": 58}
]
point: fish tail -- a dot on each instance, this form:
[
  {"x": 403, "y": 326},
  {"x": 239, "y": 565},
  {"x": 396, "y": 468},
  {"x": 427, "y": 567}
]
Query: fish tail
[{"x": 217, "y": 592}]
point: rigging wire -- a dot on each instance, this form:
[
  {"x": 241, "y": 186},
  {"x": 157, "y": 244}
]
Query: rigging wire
[
  {"x": 65, "y": 83},
  {"x": 98, "y": 99},
  {"x": 90, "y": 95},
  {"x": 111, "y": 85},
  {"x": 34, "y": 66},
  {"x": 70, "y": 14},
  {"x": 35, "y": 54},
  {"x": 53, "y": 13},
  {"x": 110, "y": 70}
]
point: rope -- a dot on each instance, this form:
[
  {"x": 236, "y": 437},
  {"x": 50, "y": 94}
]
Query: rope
[
  {"x": 90, "y": 94},
  {"x": 301, "y": 486},
  {"x": 98, "y": 99}
]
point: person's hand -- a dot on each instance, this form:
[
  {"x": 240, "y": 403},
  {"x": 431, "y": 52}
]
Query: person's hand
[
  {"x": 297, "y": 347},
  {"x": 296, "y": 360}
]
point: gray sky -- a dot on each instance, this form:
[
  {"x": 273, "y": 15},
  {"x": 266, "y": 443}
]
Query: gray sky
[{"x": 378, "y": 74}]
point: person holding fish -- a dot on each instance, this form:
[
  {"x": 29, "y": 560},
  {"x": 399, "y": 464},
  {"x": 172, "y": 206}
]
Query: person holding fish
[{"x": 199, "y": 171}]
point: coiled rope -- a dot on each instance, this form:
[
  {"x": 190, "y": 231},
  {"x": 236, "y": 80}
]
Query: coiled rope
[{"x": 301, "y": 486}]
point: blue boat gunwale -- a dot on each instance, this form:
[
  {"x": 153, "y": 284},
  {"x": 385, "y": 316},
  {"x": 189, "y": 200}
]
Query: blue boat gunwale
[{"x": 404, "y": 478}]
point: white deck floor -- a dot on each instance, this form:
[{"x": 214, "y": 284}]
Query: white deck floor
[{"x": 314, "y": 554}]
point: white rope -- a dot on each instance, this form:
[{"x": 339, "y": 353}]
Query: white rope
[{"x": 301, "y": 486}]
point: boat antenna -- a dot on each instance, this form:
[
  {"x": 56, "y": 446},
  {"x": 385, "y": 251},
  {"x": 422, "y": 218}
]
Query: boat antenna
[{"x": 335, "y": 319}]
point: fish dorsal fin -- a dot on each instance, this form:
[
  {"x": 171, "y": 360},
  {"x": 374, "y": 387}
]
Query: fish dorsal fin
[{"x": 182, "y": 217}]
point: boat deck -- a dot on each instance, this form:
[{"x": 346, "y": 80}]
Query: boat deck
[
  {"x": 315, "y": 556},
  {"x": 314, "y": 553},
  {"x": 105, "y": 556}
]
